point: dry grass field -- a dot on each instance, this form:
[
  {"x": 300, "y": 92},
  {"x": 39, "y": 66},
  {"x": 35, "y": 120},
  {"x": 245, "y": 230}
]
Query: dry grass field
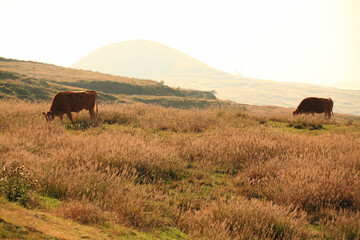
[{"x": 199, "y": 174}]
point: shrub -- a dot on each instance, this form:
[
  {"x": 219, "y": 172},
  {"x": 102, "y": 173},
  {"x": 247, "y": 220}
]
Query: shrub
[{"x": 17, "y": 185}]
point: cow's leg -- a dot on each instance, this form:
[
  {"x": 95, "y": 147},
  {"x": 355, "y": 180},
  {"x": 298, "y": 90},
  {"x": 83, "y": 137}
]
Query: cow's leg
[
  {"x": 92, "y": 114},
  {"x": 70, "y": 117},
  {"x": 328, "y": 115}
]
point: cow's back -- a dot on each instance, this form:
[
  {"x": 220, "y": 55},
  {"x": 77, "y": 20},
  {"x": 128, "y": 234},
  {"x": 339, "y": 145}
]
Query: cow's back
[
  {"x": 73, "y": 101},
  {"x": 315, "y": 105},
  {"x": 81, "y": 100}
]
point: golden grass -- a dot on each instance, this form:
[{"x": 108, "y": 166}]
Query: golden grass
[{"x": 214, "y": 174}]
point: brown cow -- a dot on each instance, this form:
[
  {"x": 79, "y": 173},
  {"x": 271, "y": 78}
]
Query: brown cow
[
  {"x": 313, "y": 105},
  {"x": 67, "y": 102}
]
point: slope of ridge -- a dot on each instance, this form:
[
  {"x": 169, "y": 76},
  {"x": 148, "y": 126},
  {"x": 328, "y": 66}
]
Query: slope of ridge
[
  {"x": 145, "y": 59},
  {"x": 40, "y": 81}
]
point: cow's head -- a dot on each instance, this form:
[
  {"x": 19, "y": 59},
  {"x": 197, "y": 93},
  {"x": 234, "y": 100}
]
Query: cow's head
[
  {"x": 296, "y": 112},
  {"x": 48, "y": 115}
]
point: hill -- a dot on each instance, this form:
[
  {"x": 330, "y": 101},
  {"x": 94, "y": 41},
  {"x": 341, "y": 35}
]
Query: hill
[
  {"x": 39, "y": 81},
  {"x": 150, "y": 60},
  {"x": 146, "y": 59}
]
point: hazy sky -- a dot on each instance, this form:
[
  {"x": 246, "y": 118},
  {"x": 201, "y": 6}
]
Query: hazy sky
[{"x": 316, "y": 41}]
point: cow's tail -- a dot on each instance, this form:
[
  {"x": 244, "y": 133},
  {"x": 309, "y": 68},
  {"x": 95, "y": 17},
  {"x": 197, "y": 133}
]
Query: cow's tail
[
  {"x": 332, "y": 104},
  {"x": 96, "y": 103}
]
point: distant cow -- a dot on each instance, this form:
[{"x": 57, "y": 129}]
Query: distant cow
[
  {"x": 315, "y": 105},
  {"x": 67, "y": 102}
]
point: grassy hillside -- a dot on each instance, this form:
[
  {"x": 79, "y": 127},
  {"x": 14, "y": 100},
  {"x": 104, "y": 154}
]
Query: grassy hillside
[
  {"x": 39, "y": 81},
  {"x": 147, "y": 172}
]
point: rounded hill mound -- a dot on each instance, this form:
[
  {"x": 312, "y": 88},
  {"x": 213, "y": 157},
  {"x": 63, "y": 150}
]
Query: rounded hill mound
[{"x": 145, "y": 59}]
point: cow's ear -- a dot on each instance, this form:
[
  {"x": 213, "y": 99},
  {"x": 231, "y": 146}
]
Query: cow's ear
[{"x": 44, "y": 113}]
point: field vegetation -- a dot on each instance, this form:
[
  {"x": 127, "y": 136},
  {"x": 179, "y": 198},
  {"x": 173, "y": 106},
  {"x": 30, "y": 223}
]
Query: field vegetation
[{"x": 147, "y": 172}]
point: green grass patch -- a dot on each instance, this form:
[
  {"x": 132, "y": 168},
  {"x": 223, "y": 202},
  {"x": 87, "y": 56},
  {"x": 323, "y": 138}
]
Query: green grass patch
[
  {"x": 121, "y": 232},
  {"x": 172, "y": 233},
  {"x": 10, "y": 231},
  {"x": 82, "y": 124},
  {"x": 78, "y": 125},
  {"x": 304, "y": 127},
  {"x": 48, "y": 203}
]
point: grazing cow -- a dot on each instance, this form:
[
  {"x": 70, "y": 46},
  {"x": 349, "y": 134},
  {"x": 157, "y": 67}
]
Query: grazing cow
[
  {"x": 67, "y": 102},
  {"x": 313, "y": 105}
]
